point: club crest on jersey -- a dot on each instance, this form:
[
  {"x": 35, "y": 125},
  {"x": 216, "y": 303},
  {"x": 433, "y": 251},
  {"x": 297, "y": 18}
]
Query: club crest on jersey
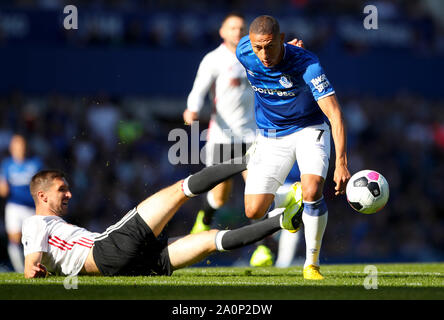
[{"x": 285, "y": 81}]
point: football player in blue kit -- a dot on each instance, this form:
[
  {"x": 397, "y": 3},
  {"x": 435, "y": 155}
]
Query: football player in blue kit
[
  {"x": 296, "y": 112},
  {"x": 15, "y": 175}
]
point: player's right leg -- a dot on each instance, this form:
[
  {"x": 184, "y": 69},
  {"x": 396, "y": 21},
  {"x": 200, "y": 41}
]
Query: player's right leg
[
  {"x": 271, "y": 159},
  {"x": 195, "y": 247},
  {"x": 288, "y": 241},
  {"x": 268, "y": 166},
  {"x": 287, "y": 199}
]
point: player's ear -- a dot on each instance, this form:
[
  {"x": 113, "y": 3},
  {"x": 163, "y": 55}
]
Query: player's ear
[
  {"x": 282, "y": 38},
  {"x": 41, "y": 195},
  {"x": 222, "y": 32}
]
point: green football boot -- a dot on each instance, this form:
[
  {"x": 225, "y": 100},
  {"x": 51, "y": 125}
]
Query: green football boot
[
  {"x": 262, "y": 257},
  {"x": 199, "y": 225},
  {"x": 292, "y": 216}
]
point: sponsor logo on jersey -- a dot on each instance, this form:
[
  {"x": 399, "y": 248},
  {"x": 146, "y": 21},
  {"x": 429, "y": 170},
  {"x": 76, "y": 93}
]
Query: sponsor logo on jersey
[
  {"x": 280, "y": 93},
  {"x": 320, "y": 83},
  {"x": 285, "y": 81},
  {"x": 251, "y": 73}
]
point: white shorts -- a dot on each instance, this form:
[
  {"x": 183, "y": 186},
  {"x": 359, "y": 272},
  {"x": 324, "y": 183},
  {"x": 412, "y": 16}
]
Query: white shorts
[
  {"x": 15, "y": 214},
  {"x": 272, "y": 158}
]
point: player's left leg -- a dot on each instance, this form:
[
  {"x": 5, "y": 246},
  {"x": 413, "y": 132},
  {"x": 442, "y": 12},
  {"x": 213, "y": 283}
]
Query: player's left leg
[
  {"x": 159, "y": 208},
  {"x": 217, "y": 153},
  {"x": 313, "y": 154},
  {"x": 315, "y": 217}
]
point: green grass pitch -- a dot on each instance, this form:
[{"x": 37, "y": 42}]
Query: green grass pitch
[{"x": 343, "y": 282}]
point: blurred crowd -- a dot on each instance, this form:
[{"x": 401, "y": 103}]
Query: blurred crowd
[
  {"x": 389, "y": 7},
  {"x": 115, "y": 152},
  {"x": 400, "y": 137},
  {"x": 195, "y": 24},
  {"x": 114, "y": 157},
  {"x": 115, "y": 148}
]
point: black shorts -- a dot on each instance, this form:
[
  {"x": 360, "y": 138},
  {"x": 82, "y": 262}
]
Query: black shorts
[{"x": 129, "y": 248}]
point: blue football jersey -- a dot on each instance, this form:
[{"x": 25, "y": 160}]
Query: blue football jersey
[
  {"x": 285, "y": 94},
  {"x": 18, "y": 175}
]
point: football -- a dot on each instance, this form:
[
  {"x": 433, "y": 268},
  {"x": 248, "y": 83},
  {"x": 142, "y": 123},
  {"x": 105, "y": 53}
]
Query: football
[{"x": 367, "y": 191}]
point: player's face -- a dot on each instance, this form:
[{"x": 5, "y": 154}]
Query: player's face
[
  {"x": 268, "y": 48},
  {"x": 232, "y": 30},
  {"x": 18, "y": 147},
  {"x": 59, "y": 196}
]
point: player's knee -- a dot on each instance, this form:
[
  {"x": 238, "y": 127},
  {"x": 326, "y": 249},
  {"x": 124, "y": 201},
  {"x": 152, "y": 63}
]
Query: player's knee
[
  {"x": 220, "y": 193},
  {"x": 311, "y": 192},
  {"x": 211, "y": 240},
  {"x": 219, "y": 199},
  {"x": 254, "y": 211}
]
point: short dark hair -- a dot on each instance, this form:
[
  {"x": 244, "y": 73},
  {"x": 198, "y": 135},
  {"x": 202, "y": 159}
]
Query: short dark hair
[
  {"x": 265, "y": 25},
  {"x": 43, "y": 180},
  {"x": 232, "y": 14}
]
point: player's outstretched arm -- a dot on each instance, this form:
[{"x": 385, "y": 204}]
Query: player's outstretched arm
[
  {"x": 33, "y": 266},
  {"x": 331, "y": 108},
  {"x": 205, "y": 78}
]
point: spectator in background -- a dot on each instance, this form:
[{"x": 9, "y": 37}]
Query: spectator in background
[
  {"x": 103, "y": 116},
  {"x": 384, "y": 141},
  {"x": 16, "y": 173},
  {"x": 232, "y": 128}
]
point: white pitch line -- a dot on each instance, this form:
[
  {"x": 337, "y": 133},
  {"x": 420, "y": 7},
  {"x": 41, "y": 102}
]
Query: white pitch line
[{"x": 388, "y": 272}]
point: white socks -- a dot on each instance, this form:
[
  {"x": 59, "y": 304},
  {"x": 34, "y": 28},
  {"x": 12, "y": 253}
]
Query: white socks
[
  {"x": 218, "y": 240},
  {"x": 288, "y": 243},
  {"x": 314, "y": 227},
  {"x": 186, "y": 189}
]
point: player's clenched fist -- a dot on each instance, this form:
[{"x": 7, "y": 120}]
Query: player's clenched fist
[
  {"x": 189, "y": 116},
  {"x": 341, "y": 177},
  {"x": 38, "y": 271}
]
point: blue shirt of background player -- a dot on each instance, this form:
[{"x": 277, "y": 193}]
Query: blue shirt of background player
[
  {"x": 285, "y": 94},
  {"x": 18, "y": 175},
  {"x": 294, "y": 175}
]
